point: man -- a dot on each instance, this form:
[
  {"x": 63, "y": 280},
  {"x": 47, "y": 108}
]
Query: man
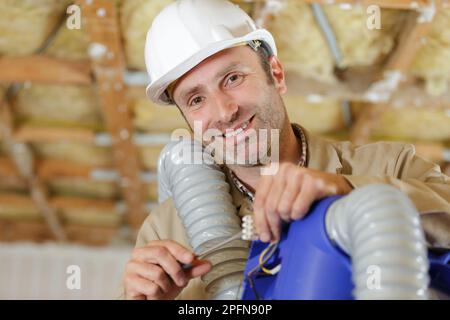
[{"x": 209, "y": 59}]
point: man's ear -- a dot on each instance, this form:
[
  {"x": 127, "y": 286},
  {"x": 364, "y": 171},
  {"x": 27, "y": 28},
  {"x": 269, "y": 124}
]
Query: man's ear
[{"x": 278, "y": 74}]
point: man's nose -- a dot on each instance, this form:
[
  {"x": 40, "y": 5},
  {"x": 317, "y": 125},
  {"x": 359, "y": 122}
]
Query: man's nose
[{"x": 226, "y": 108}]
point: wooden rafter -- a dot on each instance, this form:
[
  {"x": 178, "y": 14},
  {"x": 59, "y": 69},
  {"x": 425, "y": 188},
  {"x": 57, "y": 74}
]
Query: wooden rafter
[
  {"x": 108, "y": 64},
  {"x": 59, "y": 202},
  {"x": 40, "y": 68},
  {"x": 391, "y": 4},
  {"x": 47, "y": 169},
  {"x": 50, "y": 168},
  {"x": 26, "y": 170},
  {"x": 11, "y": 230},
  {"x": 361, "y": 129},
  {"x": 34, "y": 229},
  {"x": 27, "y": 133},
  {"x": 409, "y": 43}
]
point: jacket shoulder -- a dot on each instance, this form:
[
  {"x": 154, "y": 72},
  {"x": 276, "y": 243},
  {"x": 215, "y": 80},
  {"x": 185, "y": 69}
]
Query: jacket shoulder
[
  {"x": 162, "y": 223},
  {"x": 379, "y": 157},
  {"x": 347, "y": 147}
]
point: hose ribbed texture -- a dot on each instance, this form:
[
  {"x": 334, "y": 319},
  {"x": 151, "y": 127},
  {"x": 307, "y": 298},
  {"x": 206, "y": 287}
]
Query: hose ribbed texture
[
  {"x": 379, "y": 228},
  {"x": 204, "y": 204}
]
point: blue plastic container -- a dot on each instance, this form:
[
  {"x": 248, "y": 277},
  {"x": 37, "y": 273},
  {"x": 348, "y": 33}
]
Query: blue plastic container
[{"x": 312, "y": 266}]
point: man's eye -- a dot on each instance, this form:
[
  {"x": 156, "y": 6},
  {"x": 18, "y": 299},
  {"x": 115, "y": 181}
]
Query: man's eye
[
  {"x": 195, "y": 101},
  {"x": 234, "y": 79}
]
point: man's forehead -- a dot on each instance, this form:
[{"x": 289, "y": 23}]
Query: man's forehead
[
  {"x": 222, "y": 58},
  {"x": 236, "y": 57}
]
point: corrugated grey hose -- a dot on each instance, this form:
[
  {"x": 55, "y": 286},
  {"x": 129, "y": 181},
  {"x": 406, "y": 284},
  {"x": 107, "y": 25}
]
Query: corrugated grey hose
[
  {"x": 379, "y": 228},
  {"x": 204, "y": 204}
]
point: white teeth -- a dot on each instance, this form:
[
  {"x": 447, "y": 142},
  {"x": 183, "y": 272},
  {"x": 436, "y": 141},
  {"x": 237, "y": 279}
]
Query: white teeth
[{"x": 230, "y": 133}]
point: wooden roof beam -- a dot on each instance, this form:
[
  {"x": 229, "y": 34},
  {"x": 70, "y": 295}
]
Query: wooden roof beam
[
  {"x": 108, "y": 64},
  {"x": 41, "y": 68}
]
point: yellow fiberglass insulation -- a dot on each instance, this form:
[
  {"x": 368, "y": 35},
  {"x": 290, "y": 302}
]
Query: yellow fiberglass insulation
[
  {"x": 149, "y": 156},
  {"x": 360, "y": 45},
  {"x": 26, "y": 24},
  {"x": 319, "y": 117},
  {"x": 151, "y": 117},
  {"x": 432, "y": 62},
  {"x": 414, "y": 124},
  {"x": 301, "y": 47},
  {"x": 89, "y": 154},
  {"x": 91, "y": 216},
  {"x": 79, "y": 152},
  {"x": 67, "y": 104},
  {"x": 69, "y": 44},
  {"x": 136, "y": 17},
  {"x": 24, "y": 210},
  {"x": 97, "y": 214},
  {"x": 77, "y": 186},
  {"x": 304, "y": 50}
]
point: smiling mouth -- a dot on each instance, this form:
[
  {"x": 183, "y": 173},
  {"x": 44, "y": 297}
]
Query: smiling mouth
[{"x": 231, "y": 133}]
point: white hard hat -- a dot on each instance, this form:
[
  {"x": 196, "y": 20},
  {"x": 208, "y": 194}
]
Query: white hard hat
[{"x": 187, "y": 32}]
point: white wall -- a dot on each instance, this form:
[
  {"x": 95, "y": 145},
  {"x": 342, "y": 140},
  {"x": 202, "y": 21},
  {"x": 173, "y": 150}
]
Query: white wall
[{"x": 39, "y": 271}]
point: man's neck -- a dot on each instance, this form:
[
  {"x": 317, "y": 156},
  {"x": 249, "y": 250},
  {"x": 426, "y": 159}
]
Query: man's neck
[{"x": 290, "y": 148}]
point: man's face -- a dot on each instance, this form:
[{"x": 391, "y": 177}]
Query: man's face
[{"x": 230, "y": 95}]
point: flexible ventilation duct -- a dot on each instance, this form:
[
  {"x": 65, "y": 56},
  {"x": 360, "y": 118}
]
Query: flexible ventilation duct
[
  {"x": 204, "y": 204},
  {"x": 379, "y": 228}
]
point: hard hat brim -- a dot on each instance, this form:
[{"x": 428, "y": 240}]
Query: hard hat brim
[{"x": 155, "y": 91}]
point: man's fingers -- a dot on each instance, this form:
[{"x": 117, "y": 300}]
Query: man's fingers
[
  {"x": 180, "y": 252},
  {"x": 200, "y": 267},
  {"x": 274, "y": 223},
  {"x": 303, "y": 201},
  {"x": 271, "y": 208},
  {"x": 153, "y": 273},
  {"x": 139, "y": 287},
  {"x": 259, "y": 207},
  {"x": 277, "y": 188},
  {"x": 160, "y": 255},
  {"x": 262, "y": 227},
  {"x": 171, "y": 266},
  {"x": 262, "y": 190},
  {"x": 160, "y": 277},
  {"x": 132, "y": 294},
  {"x": 281, "y": 187},
  {"x": 287, "y": 199}
]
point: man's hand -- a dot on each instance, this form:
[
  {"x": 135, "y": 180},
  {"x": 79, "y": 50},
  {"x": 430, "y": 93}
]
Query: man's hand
[
  {"x": 154, "y": 271},
  {"x": 288, "y": 195}
]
